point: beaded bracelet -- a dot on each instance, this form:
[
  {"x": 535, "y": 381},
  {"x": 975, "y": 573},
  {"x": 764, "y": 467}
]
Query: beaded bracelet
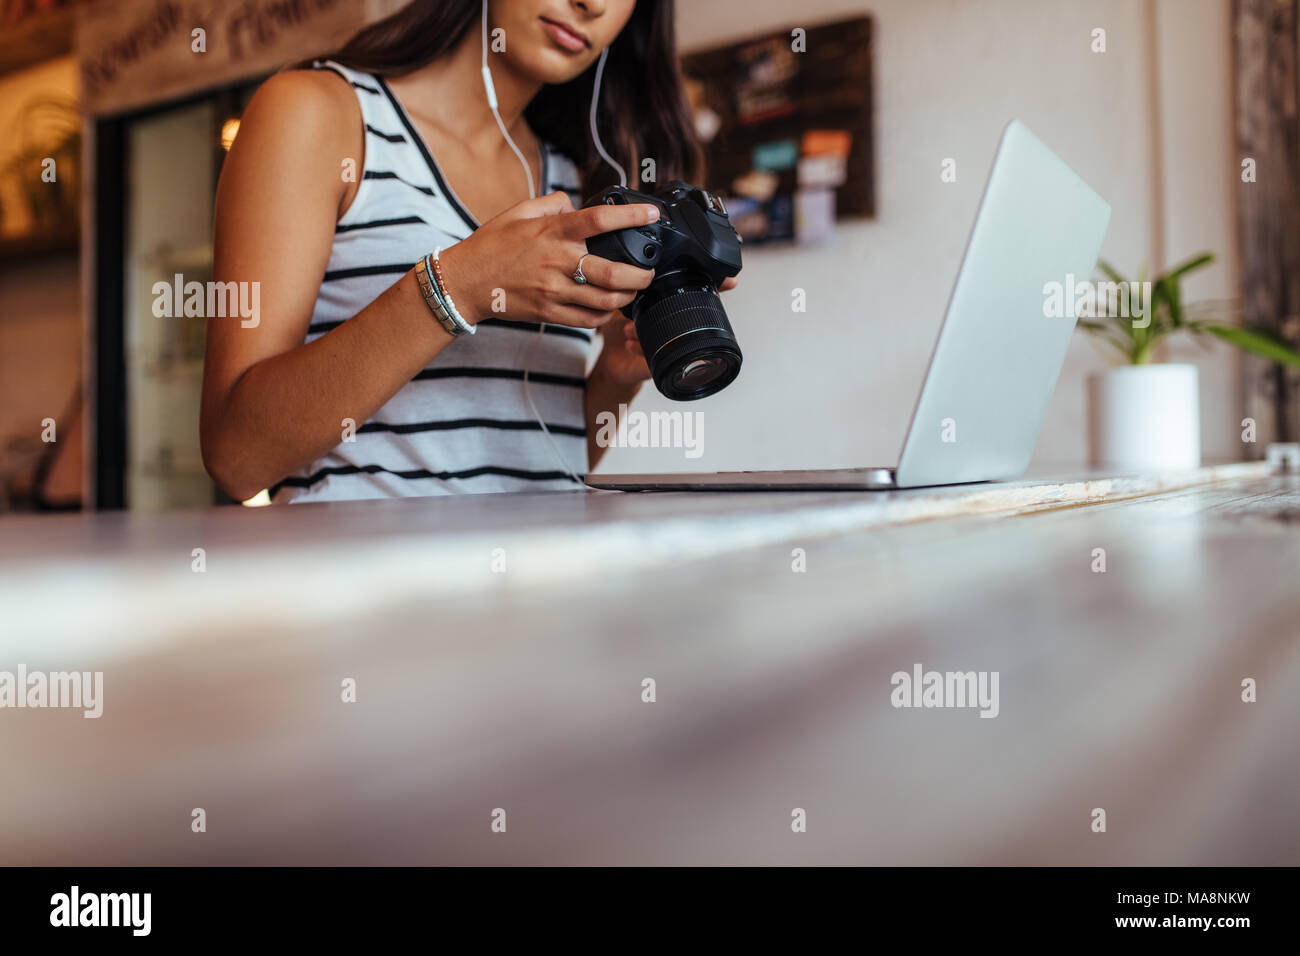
[
  {"x": 436, "y": 297},
  {"x": 446, "y": 296}
]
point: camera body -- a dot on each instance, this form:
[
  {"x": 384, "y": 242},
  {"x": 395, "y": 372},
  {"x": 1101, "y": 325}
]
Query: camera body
[{"x": 688, "y": 341}]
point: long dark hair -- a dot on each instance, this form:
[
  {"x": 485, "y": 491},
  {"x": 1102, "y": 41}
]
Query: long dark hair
[{"x": 642, "y": 114}]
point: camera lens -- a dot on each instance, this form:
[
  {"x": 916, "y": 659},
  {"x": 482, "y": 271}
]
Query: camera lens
[
  {"x": 698, "y": 373},
  {"x": 687, "y": 340}
]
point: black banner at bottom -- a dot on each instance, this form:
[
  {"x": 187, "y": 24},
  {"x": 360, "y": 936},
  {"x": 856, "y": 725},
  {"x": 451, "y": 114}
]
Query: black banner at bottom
[{"x": 236, "y": 904}]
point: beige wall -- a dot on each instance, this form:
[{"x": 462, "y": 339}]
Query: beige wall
[
  {"x": 835, "y": 386},
  {"x": 1201, "y": 172}
]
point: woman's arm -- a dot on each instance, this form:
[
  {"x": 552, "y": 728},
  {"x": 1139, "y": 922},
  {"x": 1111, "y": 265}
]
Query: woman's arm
[{"x": 270, "y": 402}]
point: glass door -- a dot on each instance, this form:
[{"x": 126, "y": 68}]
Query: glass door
[
  {"x": 157, "y": 176},
  {"x": 170, "y": 174}
]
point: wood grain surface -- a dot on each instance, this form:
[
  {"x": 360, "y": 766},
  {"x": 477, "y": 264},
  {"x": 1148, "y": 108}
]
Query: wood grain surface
[{"x": 1119, "y": 690}]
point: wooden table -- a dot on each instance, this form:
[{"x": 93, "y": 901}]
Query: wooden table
[{"x": 480, "y": 689}]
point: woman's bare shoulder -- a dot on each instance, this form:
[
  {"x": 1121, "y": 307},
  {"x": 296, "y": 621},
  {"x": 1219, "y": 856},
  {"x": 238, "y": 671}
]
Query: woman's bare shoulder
[
  {"x": 297, "y": 130},
  {"x": 316, "y": 104}
]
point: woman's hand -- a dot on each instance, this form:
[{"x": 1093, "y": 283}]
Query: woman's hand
[
  {"x": 622, "y": 362},
  {"x": 519, "y": 265}
]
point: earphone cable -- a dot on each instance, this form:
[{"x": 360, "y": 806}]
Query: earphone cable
[
  {"x": 595, "y": 133},
  {"x": 490, "y": 89}
]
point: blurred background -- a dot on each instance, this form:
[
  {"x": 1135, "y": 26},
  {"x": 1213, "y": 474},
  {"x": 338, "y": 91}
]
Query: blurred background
[{"x": 113, "y": 128}]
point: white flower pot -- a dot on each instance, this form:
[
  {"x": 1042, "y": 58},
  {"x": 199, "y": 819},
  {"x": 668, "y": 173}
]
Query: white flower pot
[{"x": 1145, "y": 418}]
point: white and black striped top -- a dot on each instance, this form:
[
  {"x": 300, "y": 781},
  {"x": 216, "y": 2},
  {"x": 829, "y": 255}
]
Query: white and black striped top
[{"x": 463, "y": 424}]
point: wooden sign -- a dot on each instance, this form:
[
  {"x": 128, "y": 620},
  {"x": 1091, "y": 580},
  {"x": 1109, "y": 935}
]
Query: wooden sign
[{"x": 136, "y": 52}]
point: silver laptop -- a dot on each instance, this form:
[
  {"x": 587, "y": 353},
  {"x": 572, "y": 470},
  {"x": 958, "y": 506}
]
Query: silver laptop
[{"x": 998, "y": 355}]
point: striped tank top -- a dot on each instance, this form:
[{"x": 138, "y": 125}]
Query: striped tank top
[{"x": 463, "y": 424}]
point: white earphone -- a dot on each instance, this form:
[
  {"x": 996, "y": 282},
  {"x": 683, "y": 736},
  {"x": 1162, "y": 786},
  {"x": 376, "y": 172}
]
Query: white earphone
[
  {"x": 532, "y": 194},
  {"x": 492, "y": 105}
]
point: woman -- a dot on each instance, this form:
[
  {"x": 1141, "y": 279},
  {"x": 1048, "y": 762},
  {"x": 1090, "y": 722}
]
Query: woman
[{"x": 351, "y": 383}]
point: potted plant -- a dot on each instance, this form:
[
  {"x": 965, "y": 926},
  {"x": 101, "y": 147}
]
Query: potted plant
[{"x": 1143, "y": 414}]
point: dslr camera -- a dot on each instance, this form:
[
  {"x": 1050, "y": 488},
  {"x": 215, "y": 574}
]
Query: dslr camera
[{"x": 688, "y": 342}]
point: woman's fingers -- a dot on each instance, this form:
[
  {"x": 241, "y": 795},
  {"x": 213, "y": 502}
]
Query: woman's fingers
[
  {"x": 615, "y": 275},
  {"x": 595, "y": 297},
  {"x": 576, "y": 316},
  {"x": 594, "y": 220},
  {"x": 551, "y": 204},
  {"x": 627, "y": 329}
]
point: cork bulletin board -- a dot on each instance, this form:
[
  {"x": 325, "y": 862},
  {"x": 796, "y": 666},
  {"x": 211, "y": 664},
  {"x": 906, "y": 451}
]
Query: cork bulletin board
[{"x": 785, "y": 119}]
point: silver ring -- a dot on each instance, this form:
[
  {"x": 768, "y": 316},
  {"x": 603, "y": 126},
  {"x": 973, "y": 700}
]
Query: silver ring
[{"x": 578, "y": 275}]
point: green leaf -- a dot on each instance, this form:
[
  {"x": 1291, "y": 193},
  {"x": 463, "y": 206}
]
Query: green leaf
[
  {"x": 1255, "y": 340},
  {"x": 1107, "y": 334},
  {"x": 1189, "y": 265},
  {"x": 1111, "y": 274},
  {"x": 1172, "y": 295}
]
